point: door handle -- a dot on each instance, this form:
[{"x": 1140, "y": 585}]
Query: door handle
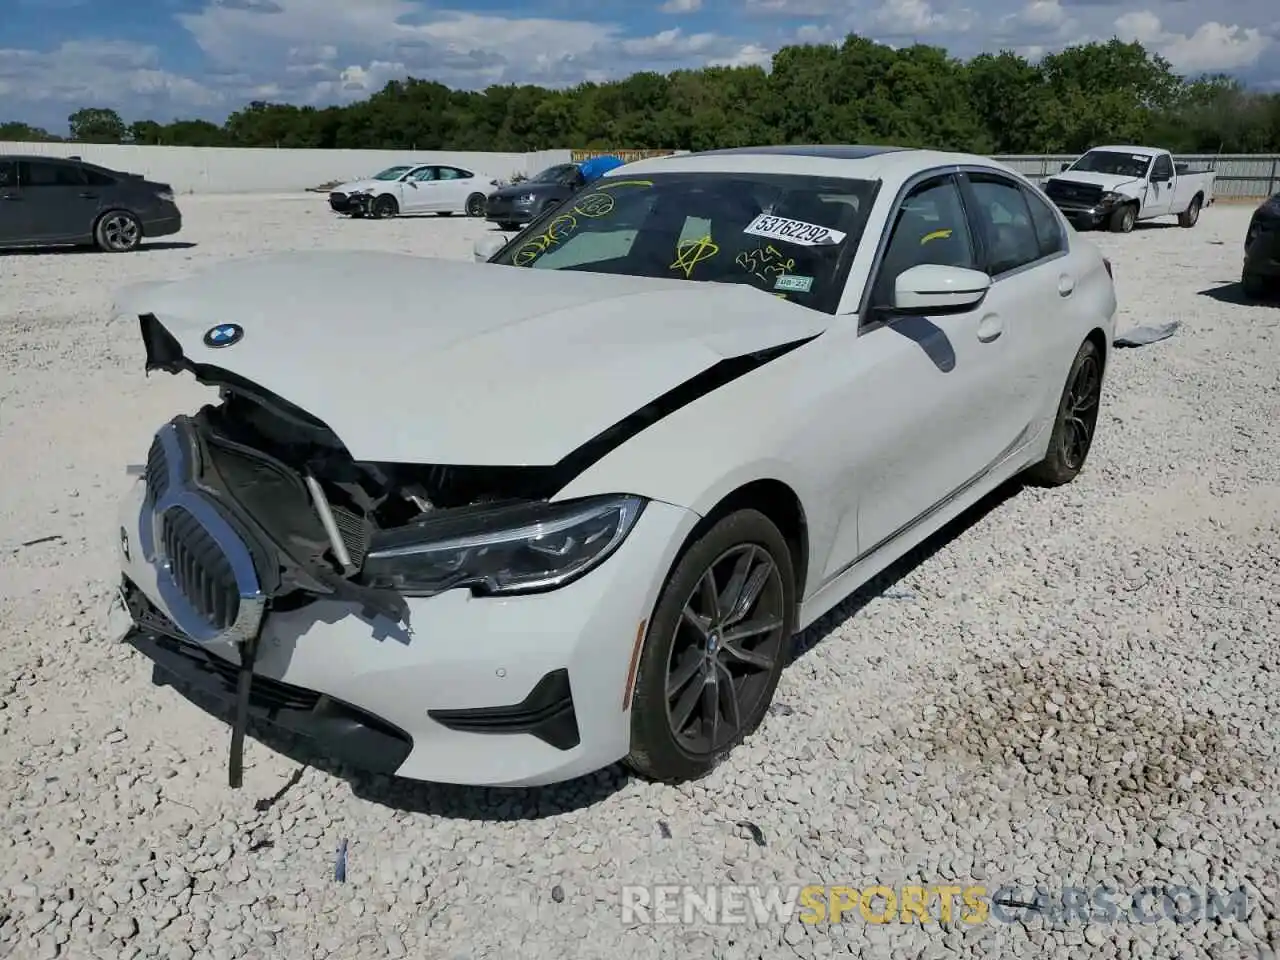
[
  {"x": 1066, "y": 284},
  {"x": 990, "y": 327},
  {"x": 9, "y": 196},
  {"x": 88, "y": 196}
]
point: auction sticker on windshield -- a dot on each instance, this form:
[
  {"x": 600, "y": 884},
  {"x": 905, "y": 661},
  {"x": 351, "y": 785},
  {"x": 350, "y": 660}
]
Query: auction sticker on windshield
[{"x": 792, "y": 231}]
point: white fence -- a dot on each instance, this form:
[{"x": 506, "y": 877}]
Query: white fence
[{"x": 267, "y": 170}]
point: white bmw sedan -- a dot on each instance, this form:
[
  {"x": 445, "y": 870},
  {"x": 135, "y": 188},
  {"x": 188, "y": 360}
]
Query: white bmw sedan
[{"x": 509, "y": 522}]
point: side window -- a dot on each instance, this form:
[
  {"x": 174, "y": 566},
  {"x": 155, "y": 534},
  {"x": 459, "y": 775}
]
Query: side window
[
  {"x": 446, "y": 173},
  {"x": 1162, "y": 168},
  {"x": 930, "y": 227},
  {"x": 422, "y": 174},
  {"x": 36, "y": 173},
  {"x": 1047, "y": 226},
  {"x": 8, "y": 174},
  {"x": 461, "y": 174},
  {"x": 1004, "y": 218}
]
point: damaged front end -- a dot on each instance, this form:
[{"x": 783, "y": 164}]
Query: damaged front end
[{"x": 252, "y": 504}]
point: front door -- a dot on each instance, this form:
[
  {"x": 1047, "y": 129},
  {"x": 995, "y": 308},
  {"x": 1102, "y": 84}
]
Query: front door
[
  {"x": 15, "y": 225},
  {"x": 419, "y": 191},
  {"x": 1160, "y": 189}
]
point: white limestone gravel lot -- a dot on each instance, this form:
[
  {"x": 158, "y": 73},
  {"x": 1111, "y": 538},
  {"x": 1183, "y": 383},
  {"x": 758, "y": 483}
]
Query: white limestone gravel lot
[{"x": 1078, "y": 687}]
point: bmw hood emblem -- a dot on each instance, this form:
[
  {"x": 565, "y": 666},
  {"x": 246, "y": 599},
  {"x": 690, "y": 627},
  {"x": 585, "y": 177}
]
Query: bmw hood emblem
[{"x": 224, "y": 335}]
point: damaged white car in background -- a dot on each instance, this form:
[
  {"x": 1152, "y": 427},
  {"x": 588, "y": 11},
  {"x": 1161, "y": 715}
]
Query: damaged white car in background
[{"x": 530, "y": 517}]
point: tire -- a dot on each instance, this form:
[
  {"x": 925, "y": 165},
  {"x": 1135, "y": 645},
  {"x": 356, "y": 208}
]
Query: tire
[
  {"x": 675, "y": 643},
  {"x": 383, "y": 207},
  {"x": 475, "y": 205},
  {"x": 1077, "y": 414},
  {"x": 1191, "y": 216},
  {"x": 1253, "y": 285},
  {"x": 1122, "y": 220},
  {"x": 117, "y": 231}
]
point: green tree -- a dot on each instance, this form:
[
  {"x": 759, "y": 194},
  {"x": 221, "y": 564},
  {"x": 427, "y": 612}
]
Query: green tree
[{"x": 97, "y": 125}]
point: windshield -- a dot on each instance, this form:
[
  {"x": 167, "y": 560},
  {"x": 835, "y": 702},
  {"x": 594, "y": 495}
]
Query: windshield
[
  {"x": 792, "y": 236},
  {"x": 1108, "y": 161},
  {"x": 555, "y": 174},
  {"x": 393, "y": 173}
]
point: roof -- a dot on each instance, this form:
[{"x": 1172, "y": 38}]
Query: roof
[
  {"x": 851, "y": 151},
  {"x": 1130, "y": 148},
  {"x": 888, "y": 164}
]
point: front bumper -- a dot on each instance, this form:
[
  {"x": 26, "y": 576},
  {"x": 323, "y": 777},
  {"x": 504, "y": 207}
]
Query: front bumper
[
  {"x": 484, "y": 691},
  {"x": 345, "y": 203},
  {"x": 1090, "y": 215},
  {"x": 506, "y": 210}
]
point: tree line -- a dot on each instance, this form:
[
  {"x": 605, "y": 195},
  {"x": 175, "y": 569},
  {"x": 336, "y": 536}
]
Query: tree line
[{"x": 857, "y": 92}]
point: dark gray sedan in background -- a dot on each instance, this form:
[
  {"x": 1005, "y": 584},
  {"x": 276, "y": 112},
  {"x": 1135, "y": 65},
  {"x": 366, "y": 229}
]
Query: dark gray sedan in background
[
  {"x": 513, "y": 206},
  {"x": 49, "y": 201}
]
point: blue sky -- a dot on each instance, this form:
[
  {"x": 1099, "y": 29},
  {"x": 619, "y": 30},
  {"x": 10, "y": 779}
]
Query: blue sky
[{"x": 204, "y": 58}]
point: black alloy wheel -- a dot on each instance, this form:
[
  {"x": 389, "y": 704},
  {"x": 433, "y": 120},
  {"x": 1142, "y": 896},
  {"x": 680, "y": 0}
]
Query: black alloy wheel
[
  {"x": 1076, "y": 422},
  {"x": 715, "y": 649}
]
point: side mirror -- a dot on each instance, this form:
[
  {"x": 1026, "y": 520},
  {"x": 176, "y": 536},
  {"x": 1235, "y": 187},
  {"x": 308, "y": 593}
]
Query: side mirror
[
  {"x": 933, "y": 288},
  {"x": 1064, "y": 167},
  {"x": 487, "y": 246}
]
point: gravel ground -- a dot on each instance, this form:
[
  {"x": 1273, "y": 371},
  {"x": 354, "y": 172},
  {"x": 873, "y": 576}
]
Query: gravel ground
[{"x": 1076, "y": 687}]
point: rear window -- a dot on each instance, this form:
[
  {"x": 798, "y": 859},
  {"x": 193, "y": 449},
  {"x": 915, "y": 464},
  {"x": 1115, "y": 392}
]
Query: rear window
[{"x": 791, "y": 236}]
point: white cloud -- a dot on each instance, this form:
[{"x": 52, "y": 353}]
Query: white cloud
[
  {"x": 91, "y": 72},
  {"x": 681, "y": 6},
  {"x": 1210, "y": 47},
  {"x": 902, "y": 18}
]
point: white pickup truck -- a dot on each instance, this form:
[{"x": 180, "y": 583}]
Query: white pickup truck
[{"x": 1118, "y": 186}]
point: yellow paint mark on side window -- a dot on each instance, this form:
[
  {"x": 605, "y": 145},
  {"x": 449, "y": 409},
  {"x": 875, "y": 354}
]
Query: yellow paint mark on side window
[{"x": 936, "y": 235}]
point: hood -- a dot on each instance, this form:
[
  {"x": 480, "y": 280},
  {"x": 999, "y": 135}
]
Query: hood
[
  {"x": 416, "y": 360},
  {"x": 520, "y": 189},
  {"x": 1107, "y": 181},
  {"x": 355, "y": 185}
]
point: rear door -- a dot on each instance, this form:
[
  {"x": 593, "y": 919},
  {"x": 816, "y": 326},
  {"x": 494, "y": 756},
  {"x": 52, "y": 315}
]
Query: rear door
[
  {"x": 60, "y": 205},
  {"x": 455, "y": 186}
]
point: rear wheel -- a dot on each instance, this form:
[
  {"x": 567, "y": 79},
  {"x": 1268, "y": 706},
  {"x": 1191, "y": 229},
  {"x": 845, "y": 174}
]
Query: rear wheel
[
  {"x": 1122, "y": 220},
  {"x": 1191, "y": 216},
  {"x": 383, "y": 207},
  {"x": 715, "y": 649},
  {"x": 475, "y": 205},
  {"x": 1075, "y": 423},
  {"x": 118, "y": 231}
]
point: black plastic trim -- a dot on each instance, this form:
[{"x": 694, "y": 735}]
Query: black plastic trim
[
  {"x": 546, "y": 713},
  {"x": 335, "y": 729}
]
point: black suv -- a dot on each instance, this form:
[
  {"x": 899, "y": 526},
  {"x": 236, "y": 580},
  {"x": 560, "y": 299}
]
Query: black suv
[
  {"x": 48, "y": 201},
  {"x": 1261, "y": 273}
]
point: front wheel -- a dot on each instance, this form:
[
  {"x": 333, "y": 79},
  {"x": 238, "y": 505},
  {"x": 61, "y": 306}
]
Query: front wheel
[
  {"x": 475, "y": 205},
  {"x": 118, "y": 232},
  {"x": 714, "y": 650},
  {"x": 383, "y": 207},
  {"x": 1122, "y": 220},
  {"x": 1075, "y": 423},
  {"x": 1191, "y": 216}
]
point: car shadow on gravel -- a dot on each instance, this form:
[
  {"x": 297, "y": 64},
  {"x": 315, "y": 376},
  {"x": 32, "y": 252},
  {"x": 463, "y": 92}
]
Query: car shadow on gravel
[
  {"x": 1233, "y": 293},
  {"x": 889, "y": 578},
  {"x": 155, "y": 247}
]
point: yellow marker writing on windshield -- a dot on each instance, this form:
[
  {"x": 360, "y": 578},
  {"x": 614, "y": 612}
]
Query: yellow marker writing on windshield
[{"x": 691, "y": 253}]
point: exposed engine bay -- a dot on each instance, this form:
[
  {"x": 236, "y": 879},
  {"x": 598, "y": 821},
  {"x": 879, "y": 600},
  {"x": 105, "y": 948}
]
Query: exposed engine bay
[{"x": 321, "y": 510}]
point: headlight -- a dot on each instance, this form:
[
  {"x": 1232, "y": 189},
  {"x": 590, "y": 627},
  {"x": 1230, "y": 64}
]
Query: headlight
[
  {"x": 1111, "y": 197},
  {"x": 526, "y": 199},
  {"x": 502, "y": 549}
]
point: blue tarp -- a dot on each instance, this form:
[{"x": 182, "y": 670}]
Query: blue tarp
[{"x": 597, "y": 167}]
